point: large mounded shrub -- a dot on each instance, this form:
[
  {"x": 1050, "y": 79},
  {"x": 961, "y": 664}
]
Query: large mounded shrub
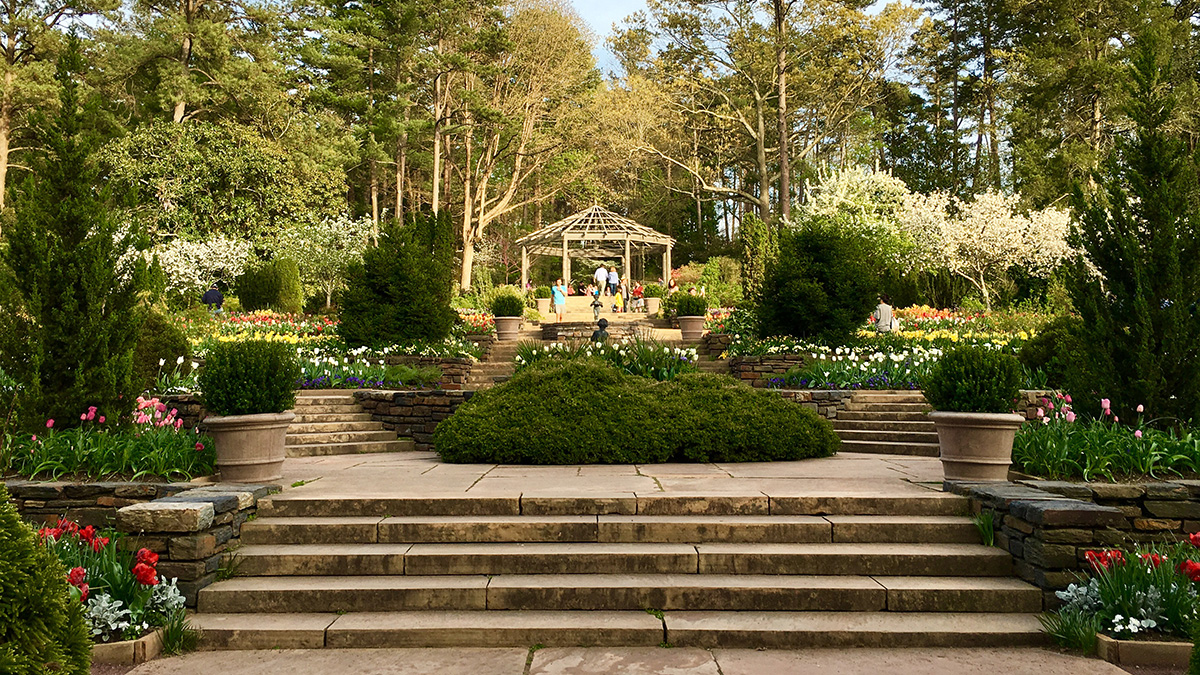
[
  {"x": 585, "y": 412},
  {"x": 272, "y": 285},
  {"x": 249, "y": 378},
  {"x": 160, "y": 340},
  {"x": 821, "y": 286},
  {"x": 401, "y": 290},
  {"x": 41, "y": 623},
  {"x": 1056, "y": 351}
]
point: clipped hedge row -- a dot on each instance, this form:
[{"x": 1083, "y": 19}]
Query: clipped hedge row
[{"x": 585, "y": 412}]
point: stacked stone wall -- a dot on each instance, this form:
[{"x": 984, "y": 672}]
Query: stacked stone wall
[{"x": 414, "y": 414}]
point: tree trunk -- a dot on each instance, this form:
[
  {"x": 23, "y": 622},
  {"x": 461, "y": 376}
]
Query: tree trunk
[
  {"x": 764, "y": 173},
  {"x": 785, "y": 188},
  {"x": 6, "y": 122},
  {"x": 468, "y": 234},
  {"x": 438, "y": 104}
]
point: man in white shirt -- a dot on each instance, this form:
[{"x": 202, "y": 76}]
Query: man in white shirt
[{"x": 601, "y": 277}]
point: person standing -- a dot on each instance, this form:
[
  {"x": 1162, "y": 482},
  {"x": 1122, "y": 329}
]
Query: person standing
[
  {"x": 613, "y": 280},
  {"x": 672, "y": 287},
  {"x": 559, "y": 293},
  {"x": 601, "y": 277},
  {"x": 883, "y": 317}
]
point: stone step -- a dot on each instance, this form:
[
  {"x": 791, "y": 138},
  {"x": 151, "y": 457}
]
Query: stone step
[
  {"x": 888, "y": 407},
  {"x": 611, "y": 529},
  {"x": 925, "y": 503},
  {"x": 888, "y": 397},
  {"x": 603, "y": 592},
  {"x": 571, "y": 629},
  {"x": 882, "y": 425},
  {"x": 919, "y": 437},
  {"x": 325, "y": 449},
  {"x": 892, "y": 448},
  {"x": 325, "y": 399},
  {"x": 321, "y": 418},
  {"x": 876, "y": 416},
  {"x": 327, "y": 408},
  {"x": 333, "y": 427},
  {"x": 340, "y": 438},
  {"x": 797, "y": 630},
  {"x": 622, "y": 558}
]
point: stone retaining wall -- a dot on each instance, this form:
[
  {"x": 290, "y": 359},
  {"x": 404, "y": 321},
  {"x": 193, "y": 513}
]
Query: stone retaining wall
[
  {"x": 825, "y": 402},
  {"x": 191, "y": 410},
  {"x": 714, "y": 344},
  {"x": 86, "y": 503},
  {"x": 573, "y": 331},
  {"x": 455, "y": 372},
  {"x": 411, "y": 413},
  {"x": 1048, "y": 526},
  {"x": 758, "y": 371}
]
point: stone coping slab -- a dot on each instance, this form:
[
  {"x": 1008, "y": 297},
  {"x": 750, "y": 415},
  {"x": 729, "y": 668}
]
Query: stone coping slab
[{"x": 129, "y": 652}]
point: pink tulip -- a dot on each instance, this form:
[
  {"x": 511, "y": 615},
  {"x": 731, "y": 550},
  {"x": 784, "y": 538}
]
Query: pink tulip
[
  {"x": 1105, "y": 404},
  {"x": 83, "y": 417},
  {"x": 101, "y": 420},
  {"x": 1070, "y": 417},
  {"x": 1068, "y": 399},
  {"x": 50, "y": 423},
  {"x": 1141, "y": 408},
  {"x": 1137, "y": 434},
  {"x": 1116, "y": 419},
  {"x": 1050, "y": 405},
  {"x": 34, "y": 439},
  {"x": 178, "y": 424},
  {"x": 1041, "y": 413}
]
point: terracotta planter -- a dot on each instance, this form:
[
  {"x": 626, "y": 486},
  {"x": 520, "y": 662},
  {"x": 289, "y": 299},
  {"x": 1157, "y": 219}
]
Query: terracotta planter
[
  {"x": 250, "y": 448},
  {"x": 692, "y": 328},
  {"x": 653, "y": 305},
  {"x": 508, "y": 328},
  {"x": 976, "y": 446},
  {"x": 543, "y": 306}
]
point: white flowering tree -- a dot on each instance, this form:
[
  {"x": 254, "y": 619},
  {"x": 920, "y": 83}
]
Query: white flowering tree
[
  {"x": 323, "y": 249},
  {"x": 863, "y": 202},
  {"x": 979, "y": 240},
  {"x": 191, "y": 266}
]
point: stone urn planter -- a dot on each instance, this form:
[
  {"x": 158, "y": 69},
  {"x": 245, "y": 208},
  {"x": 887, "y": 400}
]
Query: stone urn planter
[
  {"x": 250, "y": 448},
  {"x": 653, "y": 305},
  {"x": 976, "y": 446},
  {"x": 508, "y": 328},
  {"x": 692, "y": 328},
  {"x": 543, "y": 306}
]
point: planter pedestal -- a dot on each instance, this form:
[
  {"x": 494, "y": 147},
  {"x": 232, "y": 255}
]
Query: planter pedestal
[
  {"x": 692, "y": 327},
  {"x": 976, "y": 446},
  {"x": 508, "y": 328},
  {"x": 543, "y": 306},
  {"x": 250, "y": 448},
  {"x": 653, "y": 305}
]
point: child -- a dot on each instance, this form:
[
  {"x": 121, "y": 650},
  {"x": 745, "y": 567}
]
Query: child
[{"x": 618, "y": 302}]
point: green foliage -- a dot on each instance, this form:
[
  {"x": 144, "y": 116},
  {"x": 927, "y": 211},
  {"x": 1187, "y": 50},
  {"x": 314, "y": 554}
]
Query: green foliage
[
  {"x": 507, "y": 305},
  {"x": 401, "y": 290},
  {"x": 722, "y": 281},
  {"x": 208, "y": 178},
  {"x": 542, "y": 292},
  {"x": 248, "y": 378},
  {"x": 1141, "y": 233},
  {"x": 41, "y": 624},
  {"x": 160, "y": 345},
  {"x": 585, "y": 412},
  {"x": 641, "y": 356},
  {"x": 67, "y": 255},
  {"x": 689, "y": 305},
  {"x": 985, "y": 522},
  {"x": 821, "y": 286},
  {"x": 178, "y": 634},
  {"x": 1072, "y": 629},
  {"x": 973, "y": 379},
  {"x": 272, "y": 285},
  {"x": 760, "y": 250},
  {"x": 653, "y": 291},
  {"x": 1056, "y": 351}
]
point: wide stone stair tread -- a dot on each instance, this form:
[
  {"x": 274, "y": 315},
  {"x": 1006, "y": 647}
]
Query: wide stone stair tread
[
  {"x": 358, "y": 448},
  {"x": 600, "y": 592},
  {"x": 339, "y": 437},
  {"x": 891, "y": 448},
  {"x": 887, "y": 407},
  {"x": 334, "y": 427},
  {"x": 878, "y": 416},
  {"x": 349, "y": 408},
  {"x": 928, "y": 437},
  {"x": 840, "y": 424},
  {"x": 884, "y": 396},
  {"x": 613, "y": 558},
  {"x": 324, "y": 399},
  {"x": 568, "y": 629},
  {"x": 613, "y": 529},
  {"x": 327, "y": 418}
]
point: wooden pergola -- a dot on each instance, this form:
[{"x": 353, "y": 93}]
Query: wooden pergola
[{"x": 594, "y": 233}]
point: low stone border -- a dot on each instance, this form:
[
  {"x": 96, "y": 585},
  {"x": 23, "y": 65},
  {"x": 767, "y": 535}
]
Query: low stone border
[
  {"x": 87, "y": 503},
  {"x": 714, "y": 344},
  {"x": 411, "y": 413},
  {"x": 825, "y": 402},
  {"x": 1141, "y": 653},
  {"x": 192, "y": 530},
  {"x": 757, "y": 371},
  {"x": 573, "y": 331},
  {"x": 455, "y": 371},
  {"x": 129, "y": 652}
]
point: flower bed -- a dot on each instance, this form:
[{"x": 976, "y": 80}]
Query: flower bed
[
  {"x": 474, "y": 322},
  {"x": 123, "y": 592},
  {"x": 644, "y": 357},
  {"x": 1066, "y": 445},
  {"x": 154, "y": 444}
]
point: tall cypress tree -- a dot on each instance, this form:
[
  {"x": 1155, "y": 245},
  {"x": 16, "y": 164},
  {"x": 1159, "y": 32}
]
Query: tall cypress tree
[
  {"x": 72, "y": 265},
  {"x": 1141, "y": 235}
]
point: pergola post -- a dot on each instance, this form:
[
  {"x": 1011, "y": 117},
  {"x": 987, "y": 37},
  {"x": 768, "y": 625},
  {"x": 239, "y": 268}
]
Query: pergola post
[
  {"x": 628, "y": 269},
  {"x": 667, "y": 265},
  {"x": 524, "y": 267},
  {"x": 566, "y": 262}
]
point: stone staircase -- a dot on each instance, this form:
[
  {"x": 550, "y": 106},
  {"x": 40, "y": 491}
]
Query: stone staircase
[
  {"x": 499, "y": 365},
  {"x": 330, "y": 422},
  {"x": 715, "y": 571},
  {"x": 887, "y": 422}
]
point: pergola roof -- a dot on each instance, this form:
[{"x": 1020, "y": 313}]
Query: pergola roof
[{"x": 595, "y": 224}]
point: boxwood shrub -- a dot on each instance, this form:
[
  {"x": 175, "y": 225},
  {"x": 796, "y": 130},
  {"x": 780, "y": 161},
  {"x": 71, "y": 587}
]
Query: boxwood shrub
[
  {"x": 690, "y": 305},
  {"x": 585, "y": 412},
  {"x": 248, "y": 378},
  {"x": 974, "y": 379}
]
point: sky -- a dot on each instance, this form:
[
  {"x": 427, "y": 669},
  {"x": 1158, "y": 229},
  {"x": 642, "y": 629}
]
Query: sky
[{"x": 600, "y": 16}]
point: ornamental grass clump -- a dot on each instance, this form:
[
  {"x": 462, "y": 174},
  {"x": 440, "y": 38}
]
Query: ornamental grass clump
[
  {"x": 249, "y": 378},
  {"x": 42, "y": 628},
  {"x": 973, "y": 380}
]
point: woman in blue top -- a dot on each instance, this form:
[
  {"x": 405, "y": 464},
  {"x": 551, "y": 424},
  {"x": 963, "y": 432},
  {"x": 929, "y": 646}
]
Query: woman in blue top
[{"x": 559, "y": 293}]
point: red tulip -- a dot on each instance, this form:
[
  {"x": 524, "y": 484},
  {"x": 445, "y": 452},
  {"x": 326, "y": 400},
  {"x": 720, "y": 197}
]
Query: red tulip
[
  {"x": 146, "y": 556},
  {"x": 145, "y": 574},
  {"x": 76, "y": 576}
]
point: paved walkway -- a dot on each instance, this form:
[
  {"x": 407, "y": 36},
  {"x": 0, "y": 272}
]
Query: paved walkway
[
  {"x": 632, "y": 661},
  {"x": 423, "y": 474}
]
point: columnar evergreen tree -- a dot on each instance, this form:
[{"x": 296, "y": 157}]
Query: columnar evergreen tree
[
  {"x": 1138, "y": 297},
  {"x": 77, "y": 273}
]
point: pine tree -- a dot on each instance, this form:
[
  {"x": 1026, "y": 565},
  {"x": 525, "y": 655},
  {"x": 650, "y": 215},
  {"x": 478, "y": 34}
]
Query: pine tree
[
  {"x": 77, "y": 271},
  {"x": 1141, "y": 233}
]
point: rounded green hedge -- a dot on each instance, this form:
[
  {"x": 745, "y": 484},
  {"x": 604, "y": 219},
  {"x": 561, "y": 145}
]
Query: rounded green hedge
[
  {"x": 974, "y": 379},
  {"x": 42, "y": 628},
  {"x": 249, "y": 378},
  {"x": 586, "y": 412}
]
